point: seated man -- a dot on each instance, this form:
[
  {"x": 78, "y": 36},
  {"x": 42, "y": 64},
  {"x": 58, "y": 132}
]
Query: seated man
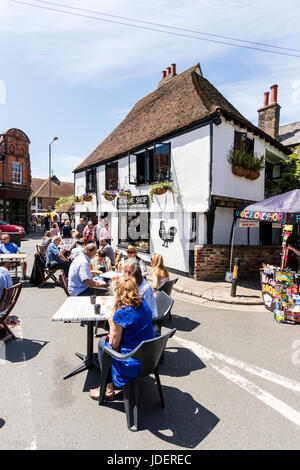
[
  {"x": 5, "y": 279},
  {"x": 55, "y": 259},
  {"x": 80, "y": 277},
  {"x": 11, "y": 248},
  {"x": 107, "y": 249}
]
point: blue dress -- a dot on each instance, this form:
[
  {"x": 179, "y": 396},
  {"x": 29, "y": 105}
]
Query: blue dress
[{"x": 137, "y": 327}]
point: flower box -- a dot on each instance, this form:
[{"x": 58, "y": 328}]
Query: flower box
[{"x": 109, "y": 195}]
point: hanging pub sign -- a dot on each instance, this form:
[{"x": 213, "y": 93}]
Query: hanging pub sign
[
  {"x": 278, "y": 217},
  {"x": 134, "y": 203}
]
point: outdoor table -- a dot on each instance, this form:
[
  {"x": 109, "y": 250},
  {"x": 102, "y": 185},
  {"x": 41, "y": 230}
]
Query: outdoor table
[
  {"x": 79, "y": 309},
  {"x": 111, "y": 274},
  {"x": 17, "y": 258}
]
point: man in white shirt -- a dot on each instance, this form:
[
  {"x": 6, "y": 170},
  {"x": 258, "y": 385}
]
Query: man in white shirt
[
  {"x": 80, "y": 281},
  {"x": 105, "y": 233}
]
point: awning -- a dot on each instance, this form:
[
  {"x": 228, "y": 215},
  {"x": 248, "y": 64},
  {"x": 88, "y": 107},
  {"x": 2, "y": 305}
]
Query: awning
[{"x": 283, "y": 208}]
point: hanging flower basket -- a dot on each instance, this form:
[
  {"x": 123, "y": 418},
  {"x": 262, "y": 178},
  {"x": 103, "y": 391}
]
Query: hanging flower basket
[
  {"x": 160, "y": 189},
  {"x": 87, "y": 197},
  {"x": 125, "y": 194},
  {"x": 78, "y": 200},
  {"x": 253, "y": 175},
  {"x": 109, "y": 195},
  {"x": 240, "y": 171}
]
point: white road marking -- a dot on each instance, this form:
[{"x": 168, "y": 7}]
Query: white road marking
[
  {"x": 260, "y": 394},
  {"x": 278, "y": 405}
]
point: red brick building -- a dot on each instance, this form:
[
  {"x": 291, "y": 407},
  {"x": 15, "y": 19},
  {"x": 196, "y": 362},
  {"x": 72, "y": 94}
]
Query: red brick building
[{"x": 15, "y": 177}]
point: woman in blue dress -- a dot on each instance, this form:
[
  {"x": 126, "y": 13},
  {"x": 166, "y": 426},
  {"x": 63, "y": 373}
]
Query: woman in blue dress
[{"x": 131, "y": 324}]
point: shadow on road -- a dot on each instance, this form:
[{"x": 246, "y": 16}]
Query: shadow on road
[{"x": 21, "y": 350}]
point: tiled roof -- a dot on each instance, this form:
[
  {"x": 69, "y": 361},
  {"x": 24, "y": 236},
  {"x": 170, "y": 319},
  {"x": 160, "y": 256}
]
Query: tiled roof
[
  {"x": 185, "y": 99},
  {"x": 57, "y": 190},
  {"x": 289, "y": 134}
]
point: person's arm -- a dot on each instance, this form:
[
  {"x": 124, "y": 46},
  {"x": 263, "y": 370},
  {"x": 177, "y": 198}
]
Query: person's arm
[
  {"x": 115, "y": 334},
  {"x": 62, "y": 257},
  {"x": 155, "y": 281},
  {"x": 292, "y": 248}
]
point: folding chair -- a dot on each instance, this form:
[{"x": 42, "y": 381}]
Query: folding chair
[
  {"x": 148, "y": 353},
  {"x": 8, "y": 300},
  {"x": 50, "y": 273},
  {"x": 64, "y": 283}
]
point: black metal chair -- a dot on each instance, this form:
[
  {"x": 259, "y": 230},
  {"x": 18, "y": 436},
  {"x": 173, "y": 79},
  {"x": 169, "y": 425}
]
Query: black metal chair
[
  {"x": 164, "y": 307},
  {"x": 148, "y": 353}
]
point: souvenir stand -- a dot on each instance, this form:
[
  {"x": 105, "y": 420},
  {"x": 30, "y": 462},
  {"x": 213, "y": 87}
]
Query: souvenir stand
[{"x": 280, "y": 285}]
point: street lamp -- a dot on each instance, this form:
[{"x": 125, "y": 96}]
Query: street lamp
[{"x": 54, "y": 139}]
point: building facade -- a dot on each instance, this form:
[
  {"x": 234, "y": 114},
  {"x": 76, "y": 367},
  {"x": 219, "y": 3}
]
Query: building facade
[
  {"x": 15, "y": 177},
  {"x": 40, "y": 198},
  {"x": 182, "y": 134}
]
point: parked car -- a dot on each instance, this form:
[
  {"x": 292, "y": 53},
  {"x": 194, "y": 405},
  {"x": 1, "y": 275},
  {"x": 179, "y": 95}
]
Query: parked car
[{"x": 6, "y": 227}]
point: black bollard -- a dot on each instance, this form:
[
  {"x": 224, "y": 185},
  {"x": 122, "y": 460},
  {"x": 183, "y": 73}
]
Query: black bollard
[{"x": 235, "y": 277}]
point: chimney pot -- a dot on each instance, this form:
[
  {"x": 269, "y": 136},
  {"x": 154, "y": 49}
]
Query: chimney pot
[
  {"x": 163, "y": 74},
  {"x": 173, "y": 69},
  {"x": 168, "y": 70},
  {"x": 266, "y": 98},
  {"x": 274, "y": 89}
]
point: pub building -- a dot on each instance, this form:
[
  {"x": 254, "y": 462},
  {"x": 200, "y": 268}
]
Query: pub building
[
  {"x": 180, "y": 134},
  {"x": 15, "y": 177}
]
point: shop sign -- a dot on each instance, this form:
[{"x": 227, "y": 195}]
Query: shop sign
[
  {"x": 261, "y": 216},
  {"x": 248, "y": 223},
  {"x": 268, "y": 289},
  {"x": 276, "y": 225},
  {"x": 134, "y": 203}
]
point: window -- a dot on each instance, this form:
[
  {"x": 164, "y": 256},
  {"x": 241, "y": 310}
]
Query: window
[
  {"x": 134, "y": 229},
  {"x": 39, "y": 203},
  {"x": 242, "y": 143},
  {"x": 150, "y": 165},
  {"x": 90, "y": 185},
  {"x": 16, "y": 172},
  {"x": 111, "y": 176}
]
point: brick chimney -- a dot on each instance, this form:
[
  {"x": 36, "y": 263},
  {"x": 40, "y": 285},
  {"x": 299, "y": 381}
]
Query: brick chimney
[
  {"x": 269, "y": 114},
  {"x": 167, "y": 75}
]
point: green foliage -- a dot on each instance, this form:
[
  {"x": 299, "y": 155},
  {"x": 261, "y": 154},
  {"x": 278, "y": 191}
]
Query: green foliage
[
  {"x": 62, "y": 201},
  {"x": 290, "y": 172},
  {"x": 246, "y": 160},
  {"x": 161, "y": 186}
]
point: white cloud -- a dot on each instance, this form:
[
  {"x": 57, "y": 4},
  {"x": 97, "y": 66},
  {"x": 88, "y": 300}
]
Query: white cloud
[{"x": 62, "y": 167}]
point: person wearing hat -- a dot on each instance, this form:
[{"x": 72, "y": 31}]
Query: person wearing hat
[
  {"x": 132, "y": 253},
  {"x": 89, "y": 232}
]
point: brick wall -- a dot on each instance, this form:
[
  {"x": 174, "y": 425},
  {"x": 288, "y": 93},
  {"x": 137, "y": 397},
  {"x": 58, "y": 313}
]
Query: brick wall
[{"x": 212, "y": 261}]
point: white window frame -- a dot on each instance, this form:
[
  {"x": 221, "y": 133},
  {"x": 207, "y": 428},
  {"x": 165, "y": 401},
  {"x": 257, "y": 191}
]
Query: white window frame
[{"x": 16, "y": 172}]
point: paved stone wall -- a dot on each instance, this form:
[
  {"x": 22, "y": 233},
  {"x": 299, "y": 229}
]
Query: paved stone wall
[{"x": 212, "y": 261}]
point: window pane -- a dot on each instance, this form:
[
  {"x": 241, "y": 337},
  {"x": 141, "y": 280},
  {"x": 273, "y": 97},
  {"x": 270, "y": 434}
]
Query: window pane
[
  {"x": 16, "y": 172},
  {"x": 141, "y": 168},
  {"x": 134, "y": 229},
  {"x": 161, "y": 162},
  {"x": 111, "y": 176}
]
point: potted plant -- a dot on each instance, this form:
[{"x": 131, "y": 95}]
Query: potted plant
[
  {"x": 78, "y": 199},
  {"x": 87, "y": 197},
  {"x": 125, "y": 194},
  {"x": 161, "y": 188},
  {"x": 109, "y": 194},
  {"x": 246, "y": 164}
]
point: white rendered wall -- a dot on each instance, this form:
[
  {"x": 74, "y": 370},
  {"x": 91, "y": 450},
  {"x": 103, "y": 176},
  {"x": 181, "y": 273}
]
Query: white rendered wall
[{"x": 222, "y": 229}]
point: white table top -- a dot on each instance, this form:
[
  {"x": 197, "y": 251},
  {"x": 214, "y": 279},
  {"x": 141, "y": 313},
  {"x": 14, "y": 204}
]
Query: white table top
[
  {"x": 14, "y": 256},
  {"x": 77, "y": 309},
  {"x": 111, "y": 274}
]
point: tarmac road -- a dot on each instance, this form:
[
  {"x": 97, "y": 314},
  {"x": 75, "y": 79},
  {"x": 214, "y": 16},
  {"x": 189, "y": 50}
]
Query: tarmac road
[{"x": 230, "y": 379}]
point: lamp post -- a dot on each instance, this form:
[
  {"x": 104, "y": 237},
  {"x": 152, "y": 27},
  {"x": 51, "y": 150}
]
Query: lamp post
[{"x": 54, "y": 139}]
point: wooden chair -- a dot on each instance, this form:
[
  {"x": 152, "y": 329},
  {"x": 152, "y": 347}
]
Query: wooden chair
[
  {"x": 64, "y": 283},
  {"x": 48, "y": 273},
  {"x": 8, "y": 300}
]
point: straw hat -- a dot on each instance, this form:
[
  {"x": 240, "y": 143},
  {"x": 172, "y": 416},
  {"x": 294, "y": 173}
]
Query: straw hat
[{"x": 131, "y": 248}]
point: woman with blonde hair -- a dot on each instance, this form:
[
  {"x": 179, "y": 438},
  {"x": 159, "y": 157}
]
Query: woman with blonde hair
[
  {"x": 160, "y": 274},
  {"x": 131, "y": 324}
]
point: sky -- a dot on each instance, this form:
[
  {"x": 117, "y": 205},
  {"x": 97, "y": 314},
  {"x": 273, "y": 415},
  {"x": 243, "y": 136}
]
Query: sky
[{"x": 77, "y": 78}]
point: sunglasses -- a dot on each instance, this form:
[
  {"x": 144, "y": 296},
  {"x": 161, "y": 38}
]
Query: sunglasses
[{"x": 131, "y": 252}]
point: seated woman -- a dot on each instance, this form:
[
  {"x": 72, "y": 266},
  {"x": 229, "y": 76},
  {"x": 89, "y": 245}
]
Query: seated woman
[
  {"x": 131, "y": 324},
  {"x": 47, "y": 238},
  {"x": 160, "y": 274},
  {"x": 132, "y": 268},
  {"x": 100, "y": 264}
]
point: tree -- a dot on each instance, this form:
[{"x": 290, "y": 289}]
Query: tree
[
  {"x": 64, "y": 201},
  {"x": 290, "y": 173}
]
